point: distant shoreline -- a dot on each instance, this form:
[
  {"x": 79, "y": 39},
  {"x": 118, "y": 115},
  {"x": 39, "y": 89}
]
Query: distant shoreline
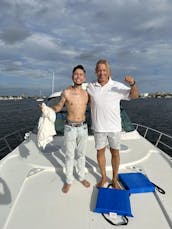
[
  {"x": 142, "y": 95},
  {"x": 156, "y": 95}
]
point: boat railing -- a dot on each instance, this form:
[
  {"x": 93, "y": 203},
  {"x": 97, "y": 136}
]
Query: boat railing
[
  {"x": 12, "y": 140},
  {"x": 158, "y": 138}
]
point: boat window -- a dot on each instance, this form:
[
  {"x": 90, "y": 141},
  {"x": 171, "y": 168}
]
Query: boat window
[
  {"x": 61, "y": 117},
  {"x": 59, "y": 123},
  {"x": 127, "y": 125},
  {"x": 53, "y": 101}
]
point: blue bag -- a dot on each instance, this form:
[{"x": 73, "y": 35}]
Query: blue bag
[
  {"x": 138, "y": 183},
  {"x": 113, "y": 200}
]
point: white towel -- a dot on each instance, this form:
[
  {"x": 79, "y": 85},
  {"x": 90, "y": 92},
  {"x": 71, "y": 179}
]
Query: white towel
[{"x": 46, "y": 127}]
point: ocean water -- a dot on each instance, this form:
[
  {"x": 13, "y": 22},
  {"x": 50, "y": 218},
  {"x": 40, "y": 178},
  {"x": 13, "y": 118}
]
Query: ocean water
[
  {"x": 18, "y": 114},
  {"x": 155, "y": 113}
]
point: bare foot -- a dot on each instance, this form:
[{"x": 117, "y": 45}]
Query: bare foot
[
  {"x": 66, "y": 188},
  {"x": 85, "y": 183},
  {"x": 101, "y": 183},
  {"x": 115, "y": 184}
]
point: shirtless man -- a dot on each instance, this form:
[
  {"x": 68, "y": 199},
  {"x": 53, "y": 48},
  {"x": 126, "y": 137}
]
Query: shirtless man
[{"x": 75, "y": 131}]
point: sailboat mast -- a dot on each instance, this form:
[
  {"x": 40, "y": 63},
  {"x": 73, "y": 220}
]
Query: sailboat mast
[{"x": 52, "y": 84}]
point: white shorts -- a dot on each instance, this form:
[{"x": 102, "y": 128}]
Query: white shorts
[{"x": 102, "y": 139}]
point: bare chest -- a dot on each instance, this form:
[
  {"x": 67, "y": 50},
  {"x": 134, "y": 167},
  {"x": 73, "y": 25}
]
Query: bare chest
[{"x": 77, "y": 99}]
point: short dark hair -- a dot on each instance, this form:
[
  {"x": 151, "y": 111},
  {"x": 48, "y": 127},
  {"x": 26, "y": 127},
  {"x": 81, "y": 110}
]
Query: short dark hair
[{"x": 80, "y": 67}]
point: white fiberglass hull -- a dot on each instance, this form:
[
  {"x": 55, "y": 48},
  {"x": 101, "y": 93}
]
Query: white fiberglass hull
[{"x": 31, "y": 182}]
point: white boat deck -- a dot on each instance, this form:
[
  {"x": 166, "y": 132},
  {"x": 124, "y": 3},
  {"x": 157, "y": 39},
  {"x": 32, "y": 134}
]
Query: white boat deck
[{"x": 31, "y": 182}]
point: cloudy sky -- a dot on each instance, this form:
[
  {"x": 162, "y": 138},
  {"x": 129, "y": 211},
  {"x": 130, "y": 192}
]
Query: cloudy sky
[{"x": 39, "y": 37}]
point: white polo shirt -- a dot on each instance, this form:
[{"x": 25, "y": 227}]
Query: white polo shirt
[{"x": 105, "y": 105}]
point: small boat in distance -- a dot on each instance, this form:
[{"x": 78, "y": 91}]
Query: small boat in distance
[
  {"x": 40, "y": 99},
  {"x": 53, "y": 94}
]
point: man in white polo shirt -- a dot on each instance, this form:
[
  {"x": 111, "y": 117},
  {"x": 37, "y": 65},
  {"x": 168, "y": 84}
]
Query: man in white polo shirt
[{"x": 105, "y": 96}]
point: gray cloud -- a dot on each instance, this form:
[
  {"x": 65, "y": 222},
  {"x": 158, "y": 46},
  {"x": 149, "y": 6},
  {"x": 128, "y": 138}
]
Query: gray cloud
[
  {"x": 13, "y": 35},
  {"x": 39, "y": 36}
]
